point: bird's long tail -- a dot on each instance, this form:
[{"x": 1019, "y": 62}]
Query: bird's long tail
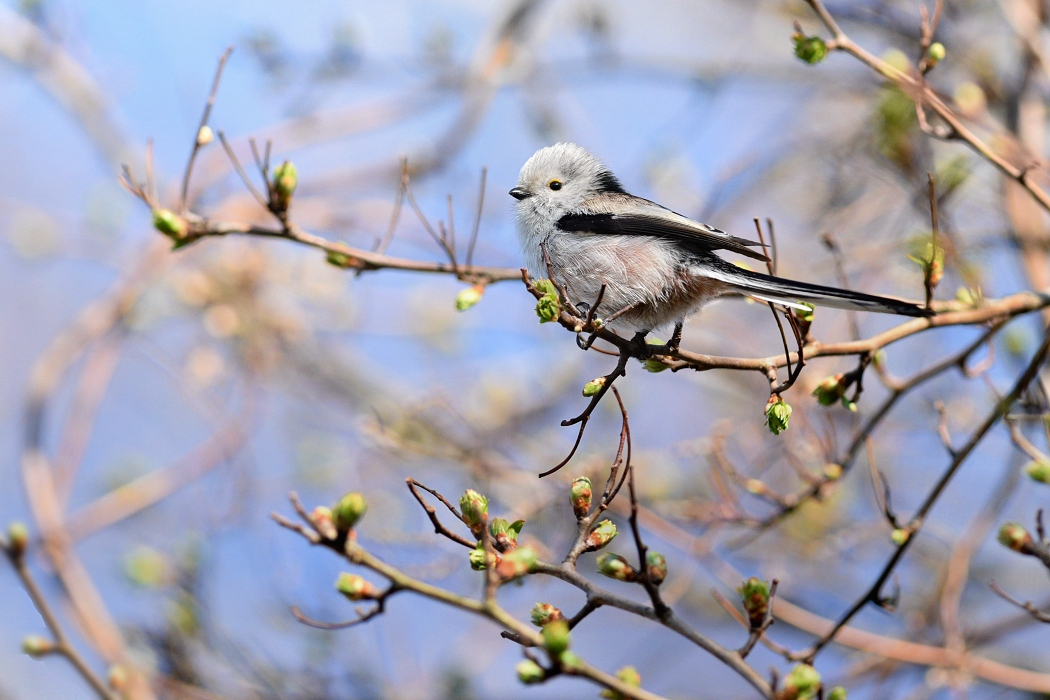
[{"x": 790, "y": 292}]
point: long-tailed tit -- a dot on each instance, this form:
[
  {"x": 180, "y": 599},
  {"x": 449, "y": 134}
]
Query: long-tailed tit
[{"x": 658, "y": 265}]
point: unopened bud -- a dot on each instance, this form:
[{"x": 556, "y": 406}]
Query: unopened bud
[
  {"x": 469, "y": 297},
  {"x": 935, "y": 54},
  {"x": 505, "y": 534},
  {"x": 803, "y": 682},
  {"x": 323, "y": 521},
  {"x": 355, "y": 587},
  {"x": 601, "y": 535},
  {"x": 899, "y": 536},
  {"x": 615, "y": 566},
  {"x": 836, "y": 693},
  {"x": 580, "y": 494},
  {"x": 805, "y": 315},
  {"x": 778, "y": 413},
  {"x": 516, "y": 563},
  {"x": 1039, "y": 471},
  {"x": 545, "y": 613},
  {"x": 117, "y": 677},
  {"x": 17, "y": 538},
  {"x": 830, "y": 390},
  {"x": 556, "y": 638},
  {"x": 475, "y": 509},
  {"x": 530, "y": 672},
  {"x": 348, "y": 511},
  {"x": 755, "y": 596},
  {"x": 594, "y": 386},
  {"x": 630, "y": 676},
  {"x": 832, "y": 471},
  {"x": 37, "y": 646},
  {"x": 810, "y": 49},
  {"x": 338, "y": 259},
  {"x": 656, "y": 564},
  {"x": 478, "y": 557},
  {"x": 1014, "y": 536},
  {"x": 169, "y": 223},
  {"x": 285, "y": 180},
  {"x": 205, "y": 136}
]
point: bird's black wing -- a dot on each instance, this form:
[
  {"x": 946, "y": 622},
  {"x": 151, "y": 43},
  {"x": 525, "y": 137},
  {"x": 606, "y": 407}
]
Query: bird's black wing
[{"x": 625, "y": 214}]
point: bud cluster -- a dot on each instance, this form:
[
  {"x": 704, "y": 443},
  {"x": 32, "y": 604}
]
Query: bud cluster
[{"x": 548, "y": 307}]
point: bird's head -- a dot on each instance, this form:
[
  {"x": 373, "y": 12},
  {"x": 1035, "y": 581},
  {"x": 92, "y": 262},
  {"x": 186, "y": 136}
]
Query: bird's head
[{"x": 557, "y": 179}]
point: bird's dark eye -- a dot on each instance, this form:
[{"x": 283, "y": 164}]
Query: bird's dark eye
[{"x": 555, "y": 185}]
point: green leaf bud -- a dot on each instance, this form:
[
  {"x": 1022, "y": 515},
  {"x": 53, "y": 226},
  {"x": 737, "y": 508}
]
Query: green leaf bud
[
  {"x": 580, "y": 493},
  {"x": 601, "y": 535},
  {"x": 545, "y": 286},
  {"x": 803, "y": 682},
  {"x": 810, "y": 49},
  {"x": 469, "y": 297},
  {"x": 545, "y": 613},
  {"x": 475, "y": 509},
  {"x": 325, "y": 523},
  {"x": 1014, "y": 536},
  {"x": 355, "y": 587},
  {"x": 169, "y": 223},
  {"x": 935, "y": 54},
  {"x": 616, "y": 567},
  {"x": 348, "y": 511},
  {"x": 630, "y": 676},
  {"x": 594, "y": 386},
  {"x": 778, "y": 413},
  {"x": 285, "y": 180},
  {"x": 548, "y": 308},
  {"x": 338, "y": 259},
  {"x": 836, "y": 693},
  {"x": 656, "y": 564},
  {"x": 755, "y": 596},
  {"x": 556, "y": 638},
  {"x": 37, "y": 646},
  {"x": 516, "y": 563},
  {"x": 1039, "y": 470},
  {"x": 830, "y": 390},
  {"x": 530, "y": 672},
  {"x": 477, "y": 558},
  {"x": 505, "y": 534}
]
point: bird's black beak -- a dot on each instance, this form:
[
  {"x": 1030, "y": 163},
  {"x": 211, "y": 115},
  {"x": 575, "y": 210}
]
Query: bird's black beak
[{"x": 520, "y": 193}]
